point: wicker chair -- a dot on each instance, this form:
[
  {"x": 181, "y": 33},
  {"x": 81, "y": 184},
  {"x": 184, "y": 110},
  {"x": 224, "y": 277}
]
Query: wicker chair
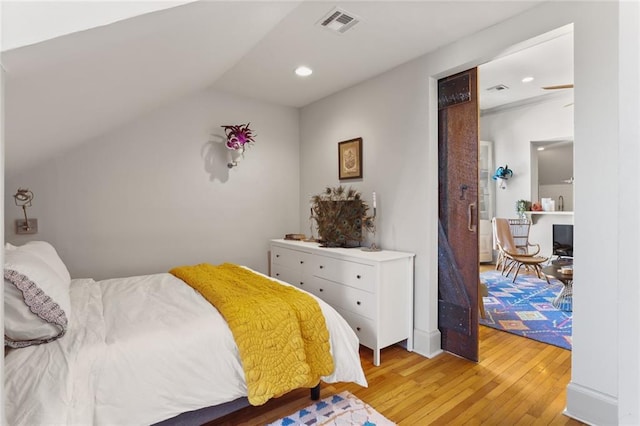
[
  {"x": 520, "y": 233},
  {"x": 511, "y": 257}
]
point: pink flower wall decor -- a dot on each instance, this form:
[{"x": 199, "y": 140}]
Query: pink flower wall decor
[{"x": 238, "y": 136}]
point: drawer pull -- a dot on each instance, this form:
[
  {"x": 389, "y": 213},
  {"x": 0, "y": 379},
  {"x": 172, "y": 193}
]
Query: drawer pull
[
  {"x": 277, "y": 255},
  {"x": 277, "y": 275},
  {"x": 358, "y": 303},
  {"x": 321, "y": 289},
  {"x": 321, "y": 267},
  {"x": 301, "y": 283},
  {"x": 301, "y": 262},
  {"x": 358, "y": 276},
  {"x": 358, "y": 328}
]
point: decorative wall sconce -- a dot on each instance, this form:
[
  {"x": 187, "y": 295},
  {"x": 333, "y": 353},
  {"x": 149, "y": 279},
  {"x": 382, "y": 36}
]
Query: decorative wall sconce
[
  {"x": 23, "y": 199},
  {"x": 501, "y": 175},
  {"x": 238, "y": 138}
]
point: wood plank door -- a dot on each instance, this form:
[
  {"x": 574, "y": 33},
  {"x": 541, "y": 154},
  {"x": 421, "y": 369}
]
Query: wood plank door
[{"x": 458, "y": 214}]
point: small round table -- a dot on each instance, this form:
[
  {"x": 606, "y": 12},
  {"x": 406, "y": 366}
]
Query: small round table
[{"x": 563, "y": 301}]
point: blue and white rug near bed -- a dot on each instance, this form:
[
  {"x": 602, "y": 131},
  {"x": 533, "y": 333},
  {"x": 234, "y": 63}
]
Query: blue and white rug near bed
[
  {"x": 341, "y": 409},
  {"x": 525, "y": 308}
]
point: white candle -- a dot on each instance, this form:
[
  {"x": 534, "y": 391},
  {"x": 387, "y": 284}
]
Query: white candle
[{"x": 374, "y": 200}]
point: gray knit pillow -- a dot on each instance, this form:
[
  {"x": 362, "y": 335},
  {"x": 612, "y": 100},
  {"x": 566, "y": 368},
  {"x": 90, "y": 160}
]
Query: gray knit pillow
[{"x": 36, "y": 300}]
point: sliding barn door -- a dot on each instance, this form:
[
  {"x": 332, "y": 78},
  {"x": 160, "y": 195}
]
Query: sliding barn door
[{"x": 458, "y": 214}]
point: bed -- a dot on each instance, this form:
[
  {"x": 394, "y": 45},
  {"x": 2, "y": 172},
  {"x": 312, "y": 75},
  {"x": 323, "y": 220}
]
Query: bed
[{"x": 136, "y": 350}]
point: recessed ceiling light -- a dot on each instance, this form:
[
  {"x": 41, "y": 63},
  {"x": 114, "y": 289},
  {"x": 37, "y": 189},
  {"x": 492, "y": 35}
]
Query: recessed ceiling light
[
  {"x": 541, "y": 148},
  {"x": 304, "y": 71},
  {"x": 527, "y": 79}
]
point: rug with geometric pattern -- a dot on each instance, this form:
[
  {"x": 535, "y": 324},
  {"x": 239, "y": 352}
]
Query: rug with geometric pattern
[
  {"x": 341, "y": 409},
  {"x": 525, "y": 308}
]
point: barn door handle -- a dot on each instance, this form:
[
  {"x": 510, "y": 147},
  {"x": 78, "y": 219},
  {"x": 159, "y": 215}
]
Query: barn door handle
[{"x": 470, "y": 226}]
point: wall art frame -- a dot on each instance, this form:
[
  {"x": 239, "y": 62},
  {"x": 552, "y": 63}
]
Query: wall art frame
[{"x": 350, "y": 159}]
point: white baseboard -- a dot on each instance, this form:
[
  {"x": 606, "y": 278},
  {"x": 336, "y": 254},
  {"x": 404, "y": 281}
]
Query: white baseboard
[
  {"x": 591, "y": 407},
  {"x": 427, "y": 344}
]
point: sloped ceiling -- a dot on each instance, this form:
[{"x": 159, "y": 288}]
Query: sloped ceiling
[
  {"x": 29, "y": 22},
  {"x": 70, "y": 89}
]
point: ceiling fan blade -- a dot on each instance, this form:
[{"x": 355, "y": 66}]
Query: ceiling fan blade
[{"x": 560, "y": 86}]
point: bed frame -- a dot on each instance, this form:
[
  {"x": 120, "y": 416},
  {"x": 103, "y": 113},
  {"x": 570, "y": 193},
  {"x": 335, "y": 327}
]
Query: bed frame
[{"x": 208, "y": 414}]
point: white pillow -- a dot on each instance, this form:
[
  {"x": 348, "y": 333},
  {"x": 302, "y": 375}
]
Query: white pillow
[
  {"x": 36, "y": 299},
  {"x": 45, "y": 251}
]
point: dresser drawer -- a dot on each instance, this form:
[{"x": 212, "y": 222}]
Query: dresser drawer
[
  {"x": 350, "y": 273},
  {"x": 363, "y": 327},
  {"x": 354, "y": 300},
  {"x": 290, "y": 258},
  {"x": 289, "y": 275},
  {"x": 373, "y": 292}
]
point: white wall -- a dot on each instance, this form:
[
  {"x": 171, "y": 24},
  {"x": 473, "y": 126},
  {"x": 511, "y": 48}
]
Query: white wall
[
  {"x": 628, "y": 177},
  {"x": 395, "y": 149},
  {"x": 564, "y": 190},
  {"x": 157, "y": 193},
  {"x": 512, "y": 131},
  {"x": 555, "y": 163},
  {"x": 396, "y": 115}
]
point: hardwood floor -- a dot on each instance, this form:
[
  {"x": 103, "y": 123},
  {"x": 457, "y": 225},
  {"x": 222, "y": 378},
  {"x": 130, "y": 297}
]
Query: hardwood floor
[{"x": 518, "y": 381}]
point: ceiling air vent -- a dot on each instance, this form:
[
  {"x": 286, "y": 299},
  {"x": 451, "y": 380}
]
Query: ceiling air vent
[
  {"x": 339, "y": 21},
  {"x": 497, "y": 88}
]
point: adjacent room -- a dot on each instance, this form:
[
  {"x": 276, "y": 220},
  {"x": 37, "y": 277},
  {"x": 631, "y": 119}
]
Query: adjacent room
[
  {"x": 223, "y": 211},
  {"x": 526, "y": 126}
]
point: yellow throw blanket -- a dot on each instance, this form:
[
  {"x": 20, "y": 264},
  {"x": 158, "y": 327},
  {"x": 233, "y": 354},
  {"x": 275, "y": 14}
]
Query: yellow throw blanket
[{"x": 280, "y": 331}]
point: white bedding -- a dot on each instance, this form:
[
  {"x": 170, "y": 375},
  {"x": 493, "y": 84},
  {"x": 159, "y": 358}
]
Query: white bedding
[{"x": 140, "y": 350}]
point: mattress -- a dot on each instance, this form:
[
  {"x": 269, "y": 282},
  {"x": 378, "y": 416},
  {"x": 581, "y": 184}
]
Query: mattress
[{"x": 139, "y": 350}]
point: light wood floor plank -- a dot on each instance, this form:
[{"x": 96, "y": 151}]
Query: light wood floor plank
[{"x": 517, "y": 381}]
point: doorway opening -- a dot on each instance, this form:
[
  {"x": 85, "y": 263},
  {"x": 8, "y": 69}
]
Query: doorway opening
[{"x": 524, "y": 96}]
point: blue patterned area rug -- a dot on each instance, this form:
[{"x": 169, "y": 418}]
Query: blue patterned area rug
[
  {"x": 525, "y": 308},
  {"x": 341, "y": 409}
]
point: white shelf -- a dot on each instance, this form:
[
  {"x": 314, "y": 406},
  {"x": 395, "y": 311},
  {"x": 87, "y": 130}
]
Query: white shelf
[
  {"x": 558, "y": 212},
  {"x": 534, "y": 215}
]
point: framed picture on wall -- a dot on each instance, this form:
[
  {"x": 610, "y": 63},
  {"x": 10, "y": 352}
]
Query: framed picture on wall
[{"x": 350, "y": 159}]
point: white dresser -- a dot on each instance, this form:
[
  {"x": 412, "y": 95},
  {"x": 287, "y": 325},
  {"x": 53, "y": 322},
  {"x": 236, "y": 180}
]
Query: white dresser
[{"x": 373, "y": 291}]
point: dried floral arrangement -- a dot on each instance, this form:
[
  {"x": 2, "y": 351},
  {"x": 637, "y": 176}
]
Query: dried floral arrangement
[{"x": 341, "y": 215}]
